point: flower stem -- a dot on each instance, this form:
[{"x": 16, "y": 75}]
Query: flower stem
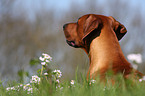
[{"x": 41, "y": 70}]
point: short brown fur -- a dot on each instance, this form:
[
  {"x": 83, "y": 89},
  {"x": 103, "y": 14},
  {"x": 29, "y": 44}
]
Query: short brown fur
[{"x": 99, "y": 37}]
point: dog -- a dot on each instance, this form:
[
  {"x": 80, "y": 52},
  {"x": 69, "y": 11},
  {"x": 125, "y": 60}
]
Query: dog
[{"x": 99, "y": 36}]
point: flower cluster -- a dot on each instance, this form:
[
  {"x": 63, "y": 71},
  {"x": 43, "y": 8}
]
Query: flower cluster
[
  {"x": 26, "y": 87},
  {"x": 35, "y": 79},
  {"x": 10, "y": 88},
  {"x": 57, "y": 74},
  {"x": 135, "y": 59},
  {"x": 92, "y": 81},
  {"x": 17, "y": 88},
  {"x": 72, "y": 82},
  {"x": 59, "y": 87},
  {"x": 45, "y": 59}
]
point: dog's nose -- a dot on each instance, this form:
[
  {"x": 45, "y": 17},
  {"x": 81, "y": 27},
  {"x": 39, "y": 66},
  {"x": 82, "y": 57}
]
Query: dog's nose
[{"x": 64, "y": 26}]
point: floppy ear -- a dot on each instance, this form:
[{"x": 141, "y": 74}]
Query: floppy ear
[
  {"x": 119, "y": 29},
  {"x": 91, "y": 23}
]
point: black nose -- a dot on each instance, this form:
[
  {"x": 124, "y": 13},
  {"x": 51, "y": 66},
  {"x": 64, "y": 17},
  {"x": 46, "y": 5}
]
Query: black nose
[{"x": 64, "y": 26}]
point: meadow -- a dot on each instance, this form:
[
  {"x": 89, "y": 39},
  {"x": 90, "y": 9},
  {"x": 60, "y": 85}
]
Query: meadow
[{"x": 48, "y": 82}]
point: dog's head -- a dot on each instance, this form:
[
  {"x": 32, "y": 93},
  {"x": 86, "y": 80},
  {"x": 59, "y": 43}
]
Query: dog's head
[{"x": 78, "y": 34}]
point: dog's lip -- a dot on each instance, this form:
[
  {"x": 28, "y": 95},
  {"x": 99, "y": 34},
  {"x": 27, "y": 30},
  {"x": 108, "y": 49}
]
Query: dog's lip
[{"x": 72, "y": 43}]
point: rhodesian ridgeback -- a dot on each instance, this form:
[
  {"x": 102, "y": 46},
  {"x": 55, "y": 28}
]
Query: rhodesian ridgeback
[{"x": 99, "y": 37}]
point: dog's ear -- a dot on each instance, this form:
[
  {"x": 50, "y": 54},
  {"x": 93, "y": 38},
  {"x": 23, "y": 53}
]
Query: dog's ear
[
  {"x": 119, "y": 29},
  {"x": 92, "y": 23}
]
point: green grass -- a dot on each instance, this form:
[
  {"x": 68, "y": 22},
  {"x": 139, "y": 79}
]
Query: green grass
[
  {"x": 81, "y": 87},
  {"x": 48, "y": 85}
]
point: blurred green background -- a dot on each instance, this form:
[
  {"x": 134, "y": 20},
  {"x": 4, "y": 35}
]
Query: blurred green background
[{"x": 30, "y": 27}]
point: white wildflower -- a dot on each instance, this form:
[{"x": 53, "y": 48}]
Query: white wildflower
[
  {"x": 57, "y": 81},
  {"x": 10, "y": 88},
  {"x": 72, "y": 82},
  {"x": 46, "y": 56},
  {"x": 59, "y": 87},
  {"x": 92, "y": 81},
  {"x": 45, "y": 74},
  {"x": 140, "y": 80},
  {"x": 104, "y": 88},
  {"x": 27, "y": 86},
  {"x": 19, "y": 86},
  {"x": 41, "y": 58},
  {"x": 43, "y": 63},
  {"x": 35, "y": 79},
  {"x": 45, "y": 59},
  {"x": 57, "y": 73},
  {"x": 13, "y": 88},
  {"x": 135, "y": 58},
  {"x": 30, "y": 90}
]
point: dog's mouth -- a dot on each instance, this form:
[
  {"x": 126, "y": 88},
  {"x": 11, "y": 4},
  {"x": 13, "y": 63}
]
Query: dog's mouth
[{"x": 72, "y": 43}]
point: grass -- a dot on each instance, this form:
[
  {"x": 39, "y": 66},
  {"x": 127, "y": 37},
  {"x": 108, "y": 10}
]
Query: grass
[
  {"x": 49, "y": 84},
  {"x": 80, "y": 88}
]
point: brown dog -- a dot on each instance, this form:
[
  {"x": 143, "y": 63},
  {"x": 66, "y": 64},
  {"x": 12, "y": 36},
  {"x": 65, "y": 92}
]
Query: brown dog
[{"x": 99, "y": 36}]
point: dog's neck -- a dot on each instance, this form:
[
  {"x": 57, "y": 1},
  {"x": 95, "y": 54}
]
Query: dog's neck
[{"x": 105, "y": 53}]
